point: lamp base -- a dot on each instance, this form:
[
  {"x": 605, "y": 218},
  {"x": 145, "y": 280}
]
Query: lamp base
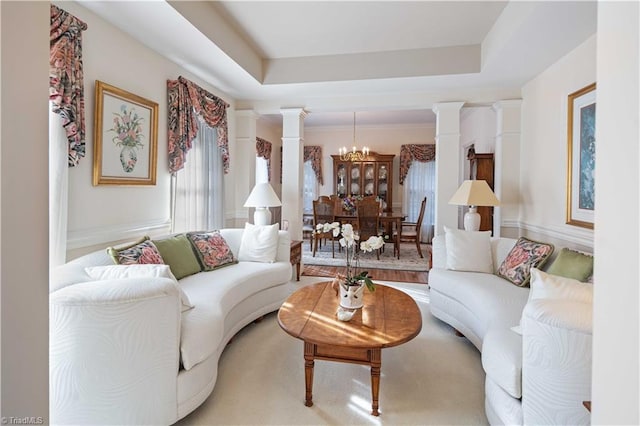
[
  {"x": 262, "y": 216},
  {"x": 472, "y": 219}
]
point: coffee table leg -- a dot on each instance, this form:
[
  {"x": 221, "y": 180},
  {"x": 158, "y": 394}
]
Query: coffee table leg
[
  {"x": 308, "y": 372},
  {"x": 376, "y": 362}
]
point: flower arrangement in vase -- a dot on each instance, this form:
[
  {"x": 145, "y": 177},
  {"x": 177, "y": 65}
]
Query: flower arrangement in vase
[
  {"x": 349, "y": 203},
  {"x": 352, "y": 283},
  {"x": 128, "y": 129}
]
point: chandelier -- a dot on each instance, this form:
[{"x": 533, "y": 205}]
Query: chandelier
[{"x": 354, "y": 155}]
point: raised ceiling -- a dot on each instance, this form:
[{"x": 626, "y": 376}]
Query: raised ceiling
[{"x": 337, "y": 57}]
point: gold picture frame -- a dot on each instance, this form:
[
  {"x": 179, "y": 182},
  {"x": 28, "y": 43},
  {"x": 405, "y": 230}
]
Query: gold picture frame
[
  {"x": 581, "y": 146},
  {"x": 125, "y": 146}
]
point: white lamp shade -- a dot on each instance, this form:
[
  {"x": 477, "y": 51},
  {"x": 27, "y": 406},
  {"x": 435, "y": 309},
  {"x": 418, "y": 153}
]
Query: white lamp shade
[
  {"x": 474, "y": 193},
  {"x": 262, "y": 195}
]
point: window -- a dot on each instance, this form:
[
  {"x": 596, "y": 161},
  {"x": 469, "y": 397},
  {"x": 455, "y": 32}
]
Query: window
[
  {"x": 198, "y": 188},
  {"x": 310, "y": 188},
  {"x": 420, "y": 183}
]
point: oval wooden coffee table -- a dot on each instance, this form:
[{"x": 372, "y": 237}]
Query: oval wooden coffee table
[{"x": 388, "y": 318}]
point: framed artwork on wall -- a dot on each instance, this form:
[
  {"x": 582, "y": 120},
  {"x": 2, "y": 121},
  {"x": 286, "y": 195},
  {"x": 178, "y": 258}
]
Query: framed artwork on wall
[
  {"x": 125, "y": 146},
  {"x": 581, "y": 151}
]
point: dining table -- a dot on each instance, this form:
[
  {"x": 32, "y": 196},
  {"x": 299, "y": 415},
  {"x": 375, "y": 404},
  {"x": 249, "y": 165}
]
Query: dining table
[{"x": 391, "y": 220}]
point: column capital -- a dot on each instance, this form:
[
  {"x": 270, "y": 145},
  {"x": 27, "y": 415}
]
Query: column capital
[
  {"x": 296, "y": 112},
  {"x": 446, "y": 106},
  {"x": 507, "y": 103}
]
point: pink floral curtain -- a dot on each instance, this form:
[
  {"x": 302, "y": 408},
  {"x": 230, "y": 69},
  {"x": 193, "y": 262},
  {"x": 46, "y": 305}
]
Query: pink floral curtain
[
  {"x": 187, "y": 101},
  {"x": 66, "y": 82},
  {"x": 414, "y": 152},
  {"x": 263, "y": 149},
  {"x": 314, "y": 153}
]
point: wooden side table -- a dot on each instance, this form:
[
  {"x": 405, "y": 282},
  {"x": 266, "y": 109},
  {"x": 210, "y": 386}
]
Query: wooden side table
[{"x": 296, "y": 256}]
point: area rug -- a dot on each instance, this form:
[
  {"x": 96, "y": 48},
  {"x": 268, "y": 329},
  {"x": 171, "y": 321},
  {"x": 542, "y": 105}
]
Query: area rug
[
  {"x": 409, "y": 258},
  {"x": 434, "y": 379}
]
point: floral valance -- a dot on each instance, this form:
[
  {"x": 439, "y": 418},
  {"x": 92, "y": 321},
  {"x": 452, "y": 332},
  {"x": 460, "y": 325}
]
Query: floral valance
[
  {"x": 186, "y": 102},
  {"x": 66, "y": 82},
  {"x": 414, "y": 152},
  {"x": 263, "y": 149},
  {"x": 314, "y": 154}
]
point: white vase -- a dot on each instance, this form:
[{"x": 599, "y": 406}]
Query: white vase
[{"x": 352, "y": 297}]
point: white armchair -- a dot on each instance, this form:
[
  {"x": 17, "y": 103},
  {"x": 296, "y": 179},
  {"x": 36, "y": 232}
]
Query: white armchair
[
  {"x": 114, "y": 351},
  {"x": 556, "y": 368}
]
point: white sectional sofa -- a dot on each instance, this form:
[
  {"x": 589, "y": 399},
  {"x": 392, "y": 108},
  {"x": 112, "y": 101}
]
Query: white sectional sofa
[
  {"x": 122, "y": 352},
  {"x": 539, "y": 377}
]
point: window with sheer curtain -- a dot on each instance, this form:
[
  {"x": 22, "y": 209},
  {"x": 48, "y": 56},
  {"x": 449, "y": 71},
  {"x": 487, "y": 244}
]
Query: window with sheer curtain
[
  {"x": 420, "y": 183},
  {"x": 310, "y": 187},
  {"x": 198, "y": 188}
]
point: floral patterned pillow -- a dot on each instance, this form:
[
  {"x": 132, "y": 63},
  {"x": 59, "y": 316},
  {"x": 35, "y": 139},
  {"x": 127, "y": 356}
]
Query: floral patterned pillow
[
  {"x": 141, "y": 252},
  {"x": 211, "y": 249},
  {"x": 524, "y": 255}
]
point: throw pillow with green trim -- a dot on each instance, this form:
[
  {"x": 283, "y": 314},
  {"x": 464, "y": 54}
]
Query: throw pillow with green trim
[
  {"x": 524, "y": 255},
  {"x": 176, "y": 252},
  {"x": 211, "y": 249},
  {"x": 572, "y": 264},
  {"x": 139, "y": 252}
]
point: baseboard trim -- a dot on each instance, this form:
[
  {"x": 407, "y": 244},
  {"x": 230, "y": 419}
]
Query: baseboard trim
[{"x": 90, "y": 237}]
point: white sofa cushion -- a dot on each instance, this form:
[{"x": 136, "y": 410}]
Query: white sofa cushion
[
  {"x": 214, "y": 293},
  {"x": 491, "y": 299},
  {"x": 468, "y": 250},
  {"x": 548, "y": 286},
  {"x": 502, "y": 359},
  {"x": 500, "y": 407},
  {"x": 500, "y": 248},
  {"x": 259, "y": 243},
  {"x": 119, "y": 272}
]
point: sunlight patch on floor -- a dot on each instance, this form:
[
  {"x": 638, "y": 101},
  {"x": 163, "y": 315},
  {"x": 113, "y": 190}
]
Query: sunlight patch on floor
[{"x": 362, "y": 408}]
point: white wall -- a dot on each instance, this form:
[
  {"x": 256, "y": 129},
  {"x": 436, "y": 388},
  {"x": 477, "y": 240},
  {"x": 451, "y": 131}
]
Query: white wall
[
  {"x": 101, "y": 214},
  {"x": 380, "y": 139},
  {"x": 478, "y": 127},
  {"x": 543, "y": 158},
  {"x": 24, "y": 216},
  {"x": 616, "y": 334}
]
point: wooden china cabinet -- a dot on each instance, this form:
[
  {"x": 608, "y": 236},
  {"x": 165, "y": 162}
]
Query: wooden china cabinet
[
  {"x": 481, "y": 168},
  {"x": 372, "y": 176}
]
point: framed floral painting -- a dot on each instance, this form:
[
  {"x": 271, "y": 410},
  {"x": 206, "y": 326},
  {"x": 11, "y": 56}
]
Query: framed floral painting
[
  {"x": 581, "y": 157},
  {"x": 125, "y": 149}
]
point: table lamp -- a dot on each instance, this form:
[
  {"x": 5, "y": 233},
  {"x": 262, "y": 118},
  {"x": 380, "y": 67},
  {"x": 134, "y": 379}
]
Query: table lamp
[
  {"x": 262, "y": 197},
  {"x": 474, "y": 193}
]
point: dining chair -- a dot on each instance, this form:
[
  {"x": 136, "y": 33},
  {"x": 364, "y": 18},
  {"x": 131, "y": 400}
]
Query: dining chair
[
  {"x": 410, "y": 231},
  {"x": 368, "y": 213},
  {"x": 337, "y": 203},
  {"x": 323, "y": 212}
]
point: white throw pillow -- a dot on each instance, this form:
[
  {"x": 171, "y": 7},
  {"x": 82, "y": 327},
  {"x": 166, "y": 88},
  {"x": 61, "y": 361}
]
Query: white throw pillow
[
  {"x": 259, "y": 243},
  {"x": 548, "y": 286},
  {"x": 469, "y": 250},
  {"x": 119, "y": 272}
]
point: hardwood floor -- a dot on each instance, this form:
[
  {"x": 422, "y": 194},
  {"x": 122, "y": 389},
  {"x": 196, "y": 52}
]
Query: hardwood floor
[{"x": 377, "y": 274}]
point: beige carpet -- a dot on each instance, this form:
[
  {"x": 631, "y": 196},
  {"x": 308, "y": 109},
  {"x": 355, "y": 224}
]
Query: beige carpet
[
  {"x": 435, "y": 379},
  {"x": 409, "y": 258}
]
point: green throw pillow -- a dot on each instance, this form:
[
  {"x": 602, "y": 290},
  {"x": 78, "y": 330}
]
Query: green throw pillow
[
  {"x": 178, "y": 254},
  {"x": 572, "y": 264}
]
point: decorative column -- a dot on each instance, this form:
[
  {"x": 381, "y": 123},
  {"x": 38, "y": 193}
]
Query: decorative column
[
  {"x": 292, "y": 168},
  {"x": 507, "y": 165},
  {"x": 447, "y": 163},
  {"x": 245, "y": 172}
]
